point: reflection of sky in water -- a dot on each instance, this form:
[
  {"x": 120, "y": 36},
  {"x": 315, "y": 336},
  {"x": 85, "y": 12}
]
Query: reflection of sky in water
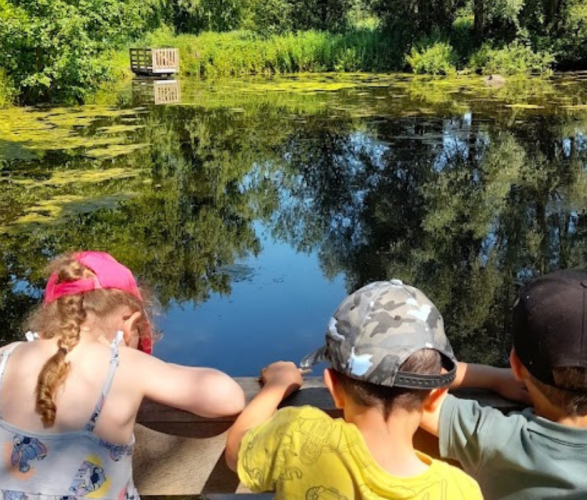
[{"x": 280, "y": 311}]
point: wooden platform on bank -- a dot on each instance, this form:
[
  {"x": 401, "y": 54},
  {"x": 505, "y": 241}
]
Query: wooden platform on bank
[
  {"x": 154, "y": 62},
  {"x": 181, "y": 454}
]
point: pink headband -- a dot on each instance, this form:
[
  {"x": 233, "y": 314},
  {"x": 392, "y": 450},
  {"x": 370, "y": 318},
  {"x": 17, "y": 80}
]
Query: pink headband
[{"x": 109, "y": 274}]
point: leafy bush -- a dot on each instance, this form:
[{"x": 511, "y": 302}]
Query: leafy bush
[
  {"x": 570, "y": 44},
  {"x": 513, "y": 59},
  {"x": 432, "y": 57},
  {"x": 58, "y": 50}
]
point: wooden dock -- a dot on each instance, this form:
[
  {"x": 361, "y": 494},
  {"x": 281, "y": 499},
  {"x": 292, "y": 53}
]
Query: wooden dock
[
  {"x": 181, "y": 454},
  {"x": 154, "y": 62}
]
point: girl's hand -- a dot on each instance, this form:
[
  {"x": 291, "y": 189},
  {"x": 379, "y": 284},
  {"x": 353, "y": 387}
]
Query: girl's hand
[{"x": 283, "y": 374}]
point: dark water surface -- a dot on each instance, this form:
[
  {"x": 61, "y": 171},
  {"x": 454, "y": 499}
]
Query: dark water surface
[{"x": 252, "y": 207}]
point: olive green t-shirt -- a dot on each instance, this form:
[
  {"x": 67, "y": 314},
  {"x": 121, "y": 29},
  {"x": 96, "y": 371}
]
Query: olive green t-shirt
[{"x": 519, "y": 456}]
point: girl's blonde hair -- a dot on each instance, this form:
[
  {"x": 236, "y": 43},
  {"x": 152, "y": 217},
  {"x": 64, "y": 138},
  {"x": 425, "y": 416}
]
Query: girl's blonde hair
[{"x": 63, "y": 319}]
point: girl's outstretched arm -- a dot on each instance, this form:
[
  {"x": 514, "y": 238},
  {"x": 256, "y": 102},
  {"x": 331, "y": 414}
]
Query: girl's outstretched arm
[{"x": 203, "y": 391}]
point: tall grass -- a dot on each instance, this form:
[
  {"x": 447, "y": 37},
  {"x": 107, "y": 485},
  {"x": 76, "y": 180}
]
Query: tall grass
[
  {"x": 368, "y": 49},
  {"x": 244, "y": 53}
]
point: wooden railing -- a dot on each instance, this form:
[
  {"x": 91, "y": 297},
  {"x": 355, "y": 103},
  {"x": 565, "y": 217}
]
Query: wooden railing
[
  {"x": 165, "y": 60},
  {"x": 181, "y": 454},
  {"x": 146, "y": 61}
]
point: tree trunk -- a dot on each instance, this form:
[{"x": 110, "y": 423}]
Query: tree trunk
[
  {"x": 553, "y": 14},
  {"x": 479, "y": 14}
]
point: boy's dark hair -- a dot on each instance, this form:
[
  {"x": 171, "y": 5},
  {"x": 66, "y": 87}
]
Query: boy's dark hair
[
  {"x": 423, "y": 362},
  {"x": 570, "y": 394}
]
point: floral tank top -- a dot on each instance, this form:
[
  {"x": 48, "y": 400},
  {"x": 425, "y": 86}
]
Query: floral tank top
[{"x": 69, "y": 466}]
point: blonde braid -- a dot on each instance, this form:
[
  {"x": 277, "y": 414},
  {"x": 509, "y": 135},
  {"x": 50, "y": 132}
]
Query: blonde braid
[{"x": 71, "y": 314}]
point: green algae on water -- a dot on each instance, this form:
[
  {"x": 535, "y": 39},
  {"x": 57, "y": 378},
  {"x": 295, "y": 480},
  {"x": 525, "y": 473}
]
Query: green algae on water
[
  {"x": 28, "y": 133},
  {"x": 66, "y": 177},
  {"x": 114, "y": 151}
]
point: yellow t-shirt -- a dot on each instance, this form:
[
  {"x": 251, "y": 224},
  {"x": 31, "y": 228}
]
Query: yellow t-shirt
[{"x": 302, "y": 453}]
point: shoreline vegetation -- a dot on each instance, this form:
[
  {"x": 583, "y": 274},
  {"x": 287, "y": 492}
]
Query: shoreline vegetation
[
  {"x": 64, "y": 51},
  {"x": 245, "y": 53}
]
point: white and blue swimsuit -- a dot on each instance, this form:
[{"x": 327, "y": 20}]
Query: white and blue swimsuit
[{"x": 68, "y": 466}]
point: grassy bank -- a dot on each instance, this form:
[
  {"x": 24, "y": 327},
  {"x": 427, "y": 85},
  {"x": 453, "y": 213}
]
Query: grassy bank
[{"x": 240, "y": 53}]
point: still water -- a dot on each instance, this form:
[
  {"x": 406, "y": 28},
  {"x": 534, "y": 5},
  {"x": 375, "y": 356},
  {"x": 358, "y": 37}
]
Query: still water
[{"x": 252, "y": 207}]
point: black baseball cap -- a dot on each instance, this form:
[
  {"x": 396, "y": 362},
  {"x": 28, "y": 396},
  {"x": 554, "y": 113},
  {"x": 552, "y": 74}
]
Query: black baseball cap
[{"x": 550, "y": 323}]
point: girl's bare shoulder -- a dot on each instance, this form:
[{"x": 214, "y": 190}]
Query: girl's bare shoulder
[{"x": 9, "y": 346}]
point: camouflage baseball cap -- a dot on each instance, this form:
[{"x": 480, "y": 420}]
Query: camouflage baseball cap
[{"x": 376, "y": 328}]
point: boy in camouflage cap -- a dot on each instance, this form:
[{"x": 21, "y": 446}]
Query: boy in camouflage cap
[{"x": 386, "y": 348}]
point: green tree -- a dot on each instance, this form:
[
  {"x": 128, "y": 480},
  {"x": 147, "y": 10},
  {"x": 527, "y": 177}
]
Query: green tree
[
  {"x": 195, "y": 16},
  {"x": 327, "y": 15},
  {"x": 417, "y": 18},
  {"x": 58, "y": 49}
]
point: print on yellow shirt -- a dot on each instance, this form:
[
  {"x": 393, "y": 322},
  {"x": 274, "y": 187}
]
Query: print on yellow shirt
[{"x": 303, "y": 453}]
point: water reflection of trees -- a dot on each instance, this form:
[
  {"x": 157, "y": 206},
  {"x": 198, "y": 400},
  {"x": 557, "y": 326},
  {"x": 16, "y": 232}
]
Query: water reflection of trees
[
  {"x": 457, "y": 207},
  {"x": 464, "y": 207},
  {"x": 190, "y": 215}
]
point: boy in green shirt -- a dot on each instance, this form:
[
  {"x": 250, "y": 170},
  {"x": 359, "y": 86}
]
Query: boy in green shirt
[
  {"x": 538, "y": 453},
  {"x": 386, "y": 348}
]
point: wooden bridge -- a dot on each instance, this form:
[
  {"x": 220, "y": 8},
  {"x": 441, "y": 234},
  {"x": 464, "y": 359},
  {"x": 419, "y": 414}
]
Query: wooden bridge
[
  {"x": 154, "y": 62},
  {"x": 181, "y": 454}
]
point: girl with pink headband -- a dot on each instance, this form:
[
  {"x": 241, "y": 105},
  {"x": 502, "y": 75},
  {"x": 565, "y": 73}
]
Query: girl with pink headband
[{"x": 69, "y": 400}]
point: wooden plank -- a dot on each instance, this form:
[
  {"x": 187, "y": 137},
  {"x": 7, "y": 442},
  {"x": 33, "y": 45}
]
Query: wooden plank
[
  {"x": 179, "y": 453},
  {"x": 314, "y": 393}
]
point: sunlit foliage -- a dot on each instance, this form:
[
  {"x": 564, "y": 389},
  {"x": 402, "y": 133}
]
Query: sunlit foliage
[{"x": 56, "y": 50}]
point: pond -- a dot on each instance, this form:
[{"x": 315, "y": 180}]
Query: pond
[{"x": 251, "y": 207}]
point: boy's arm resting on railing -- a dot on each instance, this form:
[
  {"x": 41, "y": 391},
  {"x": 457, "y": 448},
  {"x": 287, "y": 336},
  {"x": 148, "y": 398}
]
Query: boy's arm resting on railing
[
  {"x": 470, "y": 375},
  {"x": 280, "y": 380}
]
